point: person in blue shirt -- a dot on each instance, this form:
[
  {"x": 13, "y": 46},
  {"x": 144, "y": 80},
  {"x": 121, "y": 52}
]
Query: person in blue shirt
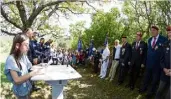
[
  {"x": 163, "y": 91},
  {"x": 40, "y": 49},
  {"x": 17, "y": 65},
  {"x": 47, "y": 46},
  {"x": 153, "y": 69},
  {"x": 31, "y": 52},
  {"x": 32, "y": 56}
]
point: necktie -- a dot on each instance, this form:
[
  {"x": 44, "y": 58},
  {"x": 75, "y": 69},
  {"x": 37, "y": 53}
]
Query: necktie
[
  {"x": 136, "y": 45},
  {"x": 154, "y": 42}
]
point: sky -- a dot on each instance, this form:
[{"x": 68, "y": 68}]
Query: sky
[{"x": 86, "y": 17}]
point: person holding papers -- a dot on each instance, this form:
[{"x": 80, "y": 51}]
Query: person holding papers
[{"x": 17, "y": 65}]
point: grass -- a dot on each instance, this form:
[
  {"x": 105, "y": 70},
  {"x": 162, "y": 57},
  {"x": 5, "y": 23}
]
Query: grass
[{"x": 87, "y": 87}]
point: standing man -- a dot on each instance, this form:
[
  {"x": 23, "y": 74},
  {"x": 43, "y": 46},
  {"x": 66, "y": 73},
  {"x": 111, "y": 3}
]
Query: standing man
[
  {"x": 105, "y": 61},
  {"x": 47, "y": 46},
  {"x": 97, "y": 57},
  {"x": 35, "y": 44},
  {"x": 153, "y": 68},
  {"x": 115, "y": 62},
  {"x": 31, "y": 52},
  {"x": 125, "y": 55},
  {"x": 164, "y": 88},
  {"x": 41, "y": 49},
  {"x": 138, "y": 59}
]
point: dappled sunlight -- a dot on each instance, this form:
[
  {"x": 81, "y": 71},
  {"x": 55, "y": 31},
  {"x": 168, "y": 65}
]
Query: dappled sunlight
[
  {"x": 84, "y": 86},
  {"x": 6, "y": 91},
  {"x": 90, "y": 86}
]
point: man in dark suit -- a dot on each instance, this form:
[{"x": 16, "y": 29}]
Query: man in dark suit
[
  {"x": 138, "y": 59},
  {"x": 153, "y": 69},
  {"x": 31, "y": 52},
  {"x": 125, "y": 55},
  {"x": 96, "y": 58},
  {"x": 163, "y": 91}
]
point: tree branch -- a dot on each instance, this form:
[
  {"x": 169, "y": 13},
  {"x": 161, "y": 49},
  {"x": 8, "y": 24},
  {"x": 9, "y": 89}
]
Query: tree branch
[
  {"x": 8, "y": 20},
  {"x": 69, "y": 10},
  {"x": 90, "y": 5},
  {"x": 22, "y": 13},
  {"x": 9, "y": 33},
  {"x": 49, "y": 15},
  {"x": 148, "y": 17},
  {"x": 8, "y": 3},
  {"x": 39, "y": 9}
]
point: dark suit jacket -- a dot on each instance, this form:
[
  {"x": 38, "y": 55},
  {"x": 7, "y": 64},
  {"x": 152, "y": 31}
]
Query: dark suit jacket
[
  {"x": 31, "y": 52},
  {"x": 165, "y": 60},
  {"x": 139, "y": 54},
  {"x": 153, "y": 54},
  {"x": 125, "y": 54},
  {"x": 114, "y": 50}
]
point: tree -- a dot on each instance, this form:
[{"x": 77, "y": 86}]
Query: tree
[
  {"x": 136, "y": 16},
  {"x": 76, "y": 31},
  {"x": 35, "y": 13},
  {"x": 103, "y": 23}
]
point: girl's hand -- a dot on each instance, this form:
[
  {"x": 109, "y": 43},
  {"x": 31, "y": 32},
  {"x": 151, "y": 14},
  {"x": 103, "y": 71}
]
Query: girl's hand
[{"x": 36, "y": 72}]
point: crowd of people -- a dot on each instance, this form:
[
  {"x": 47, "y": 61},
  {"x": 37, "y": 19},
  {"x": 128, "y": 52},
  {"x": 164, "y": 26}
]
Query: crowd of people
[{"x": 153, "y": 57}]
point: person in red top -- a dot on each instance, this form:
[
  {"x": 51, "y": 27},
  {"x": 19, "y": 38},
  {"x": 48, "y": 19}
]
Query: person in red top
[
  {"x": 81, "y": 57},
  {"x": 77, "y": 57}
]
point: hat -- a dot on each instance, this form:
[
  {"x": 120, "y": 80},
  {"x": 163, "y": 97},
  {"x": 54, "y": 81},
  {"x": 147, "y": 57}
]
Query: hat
[
  {"x": 139, "y": 34},
  {"x": 124, "y": 36},
  {"x": 168, "y": 28},
  {"x": 155, "y": 27}
]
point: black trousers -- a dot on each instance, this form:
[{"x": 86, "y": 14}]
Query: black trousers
[
  {"x": 134, "y": 73},
  {"x": 163, "y": 91},
  {"x": 55, "y": 61},
  {"x": 123, "y": 70},
  {"x": 96, "y": 64},
  {"x": 152, "y": 75}
]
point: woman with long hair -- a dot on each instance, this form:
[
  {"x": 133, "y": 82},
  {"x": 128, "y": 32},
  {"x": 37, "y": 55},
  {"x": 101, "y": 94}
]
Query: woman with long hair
[{"x": 16, "y": 67}]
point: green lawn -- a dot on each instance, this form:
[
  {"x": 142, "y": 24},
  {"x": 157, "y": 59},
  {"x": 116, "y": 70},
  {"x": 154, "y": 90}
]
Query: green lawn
[{"x": 87, "y": 87}]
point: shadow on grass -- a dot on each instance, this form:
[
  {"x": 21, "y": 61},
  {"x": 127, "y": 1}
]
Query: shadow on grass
[{"x": 87, "y": 87}]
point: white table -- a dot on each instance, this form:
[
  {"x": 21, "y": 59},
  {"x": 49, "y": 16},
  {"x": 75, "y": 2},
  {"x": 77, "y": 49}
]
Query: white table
[{"x": 56, "y": 76}]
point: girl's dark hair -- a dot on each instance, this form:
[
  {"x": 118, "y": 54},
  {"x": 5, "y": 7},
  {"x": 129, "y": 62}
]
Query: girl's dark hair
[{"x": 19, "y": 38}]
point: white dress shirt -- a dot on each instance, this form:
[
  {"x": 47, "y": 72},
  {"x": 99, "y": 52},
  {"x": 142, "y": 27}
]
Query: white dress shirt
[{"x": 117, "y": 52}]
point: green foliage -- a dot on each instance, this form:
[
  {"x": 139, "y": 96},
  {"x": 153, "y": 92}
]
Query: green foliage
[
  {"x": 5, "y": 46},
  {"x": 103, "y": 23},
  {"x": 77, "y": 30},
  {"x": 135, "y": 16}
]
